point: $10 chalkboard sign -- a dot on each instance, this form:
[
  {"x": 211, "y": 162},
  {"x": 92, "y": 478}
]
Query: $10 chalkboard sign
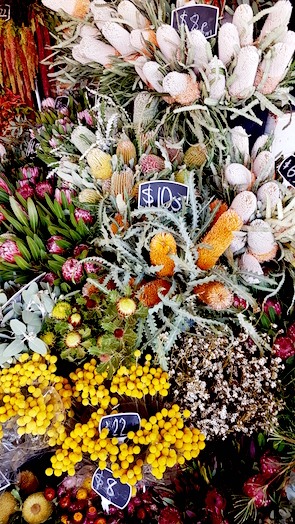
[
  {"x": 120, "y": 424},
  {"x": 111, "y": 489},
  {"x": 287, "y": 169},
  {"x": 202, "y": 17},
  {"x": 162, "y": 193}
]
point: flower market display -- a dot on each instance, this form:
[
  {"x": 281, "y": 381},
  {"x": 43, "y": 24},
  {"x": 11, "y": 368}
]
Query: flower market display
[{"x": 147, "y": 262}]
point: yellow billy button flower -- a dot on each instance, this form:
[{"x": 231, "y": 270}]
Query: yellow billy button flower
[
  {"x": 61, "y": 311},
  {"x": 126, "y": 307},
  {"x": 48, "y": 338}
]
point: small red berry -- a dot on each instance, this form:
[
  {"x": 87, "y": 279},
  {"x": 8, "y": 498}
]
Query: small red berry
[
  {"x": 49, "y": 494},
  {"x": 118, "y": 333}
]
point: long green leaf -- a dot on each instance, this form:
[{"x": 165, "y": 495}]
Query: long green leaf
[
  {"x": 23, "y": 249},
  {"x": 22, "y": 264},
  {"x": 33, "y": 215},
  {"x": 20, "y": 215},
  {"x": 33, "y": 248}
]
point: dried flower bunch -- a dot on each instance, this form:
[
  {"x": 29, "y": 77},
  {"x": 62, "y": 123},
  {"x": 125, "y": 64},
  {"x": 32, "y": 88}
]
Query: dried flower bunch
[{"x": 227, "y": 385}]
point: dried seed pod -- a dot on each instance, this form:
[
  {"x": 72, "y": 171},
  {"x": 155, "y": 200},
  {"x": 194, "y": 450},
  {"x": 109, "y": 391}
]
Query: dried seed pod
[
  {"x": 264, "y": 165},
  {"x": 88, "y": 196},
  {"x": 238, "y": 175},
  {"x": 82, "y": 138},
  {"x": 271, "y": 190},
  {"x": 181, "y": 87},
  {"x": 195, "y": 156},
  {"x": 132, "y": 15},
  {"x": 216, "y": 77},
  {"x": 260, "y": 238},
  {"x": 138, "y": 38},
  {"x": 240, "y": 141},
  {"x": 245, "y": 70},
  {"x": 79, "y": 56},
  {"x": 242, "y": 16},
  {"x": 153, "y": 75},
  {"x": 102, "y": 12},
  {"x": 215, "y": 295},
  {"x": 145, "y": 108},
  {"x": 279, "y": 16},
  {"x": 228, "y": 41},
  {"x": 99, "y": 163},
  {"x": 258, "y": 144},
  {"x": 97, "y": 51},
  {"x": 150, "y": 163},
  {"x": 118, "y": 37},
  {"x": 127, "y": 150},
  {"x": 219, "y": 237},
  {"x": 250, "y": 264},
  {"x": 122, "y": 181},
  {"x": 245, "y": 205},
  {"x": 278, "y": 65},
  {"x": 76, "y": 8},
  {"x": 168, "y": 41},
  {"x": 198, "y": 43}
]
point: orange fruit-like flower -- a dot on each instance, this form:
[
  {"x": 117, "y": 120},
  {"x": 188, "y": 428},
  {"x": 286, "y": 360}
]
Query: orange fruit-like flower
[
  {"x": 163, "y": 245},
  {"x": 215, "y": 295},
  {"x": 148, "y": 295}
]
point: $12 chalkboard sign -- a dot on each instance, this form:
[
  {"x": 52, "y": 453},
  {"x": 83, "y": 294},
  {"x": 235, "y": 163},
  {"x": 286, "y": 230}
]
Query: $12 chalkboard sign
[
  {"x": 120, "y": 424},
  {"x": 162, "y": 193},
  {"x": 202, "y": 17},
  {"x": 287, "y": 169},
  {"x": 111, "y": 489}
]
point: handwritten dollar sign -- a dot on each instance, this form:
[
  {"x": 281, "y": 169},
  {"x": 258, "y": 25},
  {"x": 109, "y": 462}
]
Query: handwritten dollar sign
[{"x": 147, "y": 193}]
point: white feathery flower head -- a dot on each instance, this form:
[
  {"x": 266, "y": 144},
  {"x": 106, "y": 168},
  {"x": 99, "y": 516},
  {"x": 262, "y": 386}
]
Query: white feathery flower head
[
  {"x": 175, "y": 83},
  {"x": 153, "y": 75},
  {"x": 242, "y": 16},
  {"x": 277, "y": 67},
  {"x": 102, "y": 12},
  {"x": 88, "y": 30},
  {"x": 240, "y": 141},
  {"x": 245, "y": 70},
  {"x": 216, "y": 77},
  {"x": 238, "y": 175},
  {"x": 264, "y": 165},
  {"x": 118, "y": 37},
  {"x": 228, "y": 40},
  {"x": 198, "y": 43},
  {"x": 96, "y": 50},
  {"x": 249, "y": 263},
  {"x": 168, "y": 40},
  {"x": 76, "y": 8},
  {"x": 79, "y": 56},
  {"x": 279, "y": 16},
  {"x": 131, "y": 14},
  {"x": 271, "y": 190},
  {"x": 238, "y": 242},
  {"x": 244, "y": 204}
]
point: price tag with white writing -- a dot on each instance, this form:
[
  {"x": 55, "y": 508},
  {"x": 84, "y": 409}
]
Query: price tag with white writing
[
  {"x": 162, "y": 193},
  {"x": 287, "y": 169},
  {"x": 5, "y": 12},
  {"x": 120, "y": 424},
  {"x": 4, "y": 482},
  {"x": 201, "y": 17},
  {"x": 111, "y": 489}
]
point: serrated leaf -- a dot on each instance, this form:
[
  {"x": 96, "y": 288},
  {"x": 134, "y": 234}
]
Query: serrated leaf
[
  {"x": 38, "y": 346},
  {"x": 33, "y": 215},
  {"x": 19, "y": 328}
]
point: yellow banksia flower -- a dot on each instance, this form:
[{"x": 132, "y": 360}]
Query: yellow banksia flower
[
  {"x": 126, "y": 306},
  {"x": 195, "y": 156},
  {"x": 48, "y": 338},
  {"x": 219, "y": 237},
  {"x": 127, "y": 150},
  {"x": 148, "y": 294},
  {"x": 88, "y": 196},
  {"x": 61, "y": 311},
  {"x": 215, "y": 295},
  {"x": 99, "y": 163},
  {"x": 163, "y": 245}
]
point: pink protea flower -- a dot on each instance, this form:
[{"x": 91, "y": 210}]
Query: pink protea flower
[
  {"x": 275, "y": 305},
  {"x": 26, "y": 191},
  {"x": 79, "y": 249},
  {"x": 269, "y": 465},
  {"x": 72, "y": 270},
  {"x": 291, "y": 332},
  {"x": 84, "y": 214},
  {"x": 48, "y": 103},
  {"x": 169, "y": 515},
  {"x": 215, "y": 501},
  {"x": 50, "y": 278},
  {"x": 30, "y": 173},
  {"x": 239, "y": 302},
  {"x": 64, "y": 111},
  {"x": 4, "y": 186},
  {"x": 85, "y": 114},
  {"x": 42, "y": 188},
  {"x": 253, "y": 488},
  {"x": 2, "y": 217},
  {"x": 91, "y": 267},
  {"x": 284, "y": 347},
  {"x": 67, "y": 192},
  {"x": 151, "y": 163},
  {"x": 52, "y": 246},
  {"x": 8, "y": 250},
  {"x": 52, "y": 142}
]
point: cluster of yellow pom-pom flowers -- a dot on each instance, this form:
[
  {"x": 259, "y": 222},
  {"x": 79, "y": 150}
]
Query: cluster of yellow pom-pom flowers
[
  {"x": 28, "y": 391},
  {"x": 162, "y": 442}
]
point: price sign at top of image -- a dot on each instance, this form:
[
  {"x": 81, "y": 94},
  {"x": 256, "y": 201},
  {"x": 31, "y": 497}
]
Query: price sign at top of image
[
  {"x": 5, "y": 12},
  {"x": 201, "y": 17},
  {"x": 287, "y": 169},
  {"x": 120, "y": 424},
  {"x": 111, "y": 489}
]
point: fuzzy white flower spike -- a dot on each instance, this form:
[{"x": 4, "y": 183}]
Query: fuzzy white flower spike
[
  {"x": 102, "y": 12},
  {"x": 199, "y": 45},
  {"x": 153, "y": 75},
  {"x": 168, "y": 40},
  {"x": 228, "y": 43},
  {"x": 97, "y": 51},
  {"x": 241, "y": 19},
  {"x": 245, "y": 70},
  {"x": 240, "y": 142},
  {"x": 279, "y": 16},
  {"x": 277, "y": 68},
  {"x": 216, "y": 77},
  {"x": 76, "y": 8},
  {"x": 132, "y": 15}
]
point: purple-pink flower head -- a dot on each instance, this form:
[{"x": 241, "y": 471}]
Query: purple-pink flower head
[
  {"x": 8, "y": 250},
  {"x": 52, "y": 246},
  {"x": 87, "y": 116},
  {"x": 72, "y": 270},
  {"x": 67, "y": 192},
  {"x": 42, "y": 188},
  {"x": 84, "y": 214}
]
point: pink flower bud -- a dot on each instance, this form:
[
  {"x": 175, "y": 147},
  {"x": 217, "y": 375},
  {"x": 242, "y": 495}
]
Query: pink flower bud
[
  {"x": 269, "y": 465},
  {"x": 52, "y": 246},
  {"x": 284, "y": 347},
  {"x": 8, "y": 250},
  {"x": 88, "y": 118},
  {"x": 4, "y": 186},
  {"x": 84, "y": 214},
  {"x": 275, "y": 305},
  {"x": 48, "y": 103},
  {"x": 79, "y": 249},
  {"x": 42, "y": 188},
  {"x": 50, "y": 278},
  {"x": 67, "y": 192},
  {"x": 72, "y": 270},
  {"x": 26, "y": 191}
]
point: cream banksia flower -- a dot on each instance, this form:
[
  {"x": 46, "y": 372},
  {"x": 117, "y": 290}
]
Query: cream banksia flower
[
  {"x": 153, "y": 75},
  {"x": 277, "y": 68},
  {"x": 216, "y": 77},
  {"x": 118, "y": 37},
  {"x": 245, "y": 70},
  {"x": 168, "y": 41},
  {"x": 219, "y": 237},
  {"x": 79, "y": 56},
  {"x": 102, "y": 12},
  {"x": 245, "y": 205},
  {"x": 271, "y": 191},
  {"x": 198, "y": 43},
  {"x": 99, "y": 163},
  {"x": 88, "y": 196},
  {"x": 250, "y": 264},
  {"x": 127, "y": 150},
  {"x": 258, "y": 144},
  {"x": 162, "y": 246},
  {"x": 239, "y": 176},
  {"x": 241, "y": 19},
  {"x": 139, "y": 37},
  {"x": 181, "y": 87},
  {"x": 279, "y": 16},
  {"x": 82, "y": 138},
  {"x": 215, "y": 295},
  {"x": 240, "y": 142},
  {"x": 122, "y": 181},
  {"x": 97, "y": 51},
  {"x": 228, "y": 43},
  {"x": 261, "y": 242},
  {"x": 264, "y": 165},
  {"x": 76, "y": 8},
  {"x": 131, "y": 14}
]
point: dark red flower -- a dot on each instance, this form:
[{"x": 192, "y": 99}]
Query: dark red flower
[
  {"x": 169, "y": 515},
  {"x": 254, "y": 488},
  {"x": 284, "y": 347}
]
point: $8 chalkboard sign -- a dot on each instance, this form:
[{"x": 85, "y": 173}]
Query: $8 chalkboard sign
[
  {"x": 120, "y": 424},
  {"x": 287, "y": 169},
  {"x": 111, "y": 489},
  {"x": 201, "y": 17},
  {"x": 162, "y": 193}
]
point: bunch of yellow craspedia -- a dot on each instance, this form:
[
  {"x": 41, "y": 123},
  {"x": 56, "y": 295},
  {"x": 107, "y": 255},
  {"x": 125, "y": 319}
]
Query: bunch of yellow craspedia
[
  {"x": 162, "y": 442},
  {"x": 32, "y": 392}
]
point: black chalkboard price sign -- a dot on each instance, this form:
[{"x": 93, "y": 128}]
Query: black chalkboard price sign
[
  {"x": 287, "y": 169},
  {"x": 120, "y": 424},
  {"x": 111, "y": 489},
  {"x": 5, "y": 12},
  {"x": 162, "y": 193},
  {"x": 61, "y": 101},
  {"x": 202, "y": 17}
]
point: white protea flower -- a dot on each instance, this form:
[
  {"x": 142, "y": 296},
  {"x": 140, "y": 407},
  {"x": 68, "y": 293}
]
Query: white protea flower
[
  {"x": 76, "y": 8},
  {"x": 241, "y": 19},
  {"x": 79, "y": 56},
  {"x": 118, "y": 37},
  {"x": 277, "y": 68},
  {"x": 82, "y": 138},
  {"x": 153, "y": 75},
  {"x": 88, "y": 30},
  {"x": 198, "y": 43},
  {"x": 228, "y": 42},
  {"x": 138, "y": 38},
  {"x": 279, "y": 16},
  {"x": 138, "y": 66},
  {"x": 216, "y": 77},
  {"x": 240, "y": 141},
  {"x": 238, "y": 242},
  {"x": 168, "y": 41},
  {"x": 239, "y": 176},
  {"x": 145, "y": 108},
  {"x": 244, "y": 204},
  {"x": 264, "y": 166},
  {"x": 258, "y": 144},
  {"x": 261, "y": 242},
  {"x": 269, "y": 190},
  {"x": 249, "y": 263},
  {"x": 245, "y": 70},
  {"x": 181, "y": 87},
  {"x": 97, "y": 51},
  {"x": 132, "y": 15},
  {"x": 102, "y": 12}
]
